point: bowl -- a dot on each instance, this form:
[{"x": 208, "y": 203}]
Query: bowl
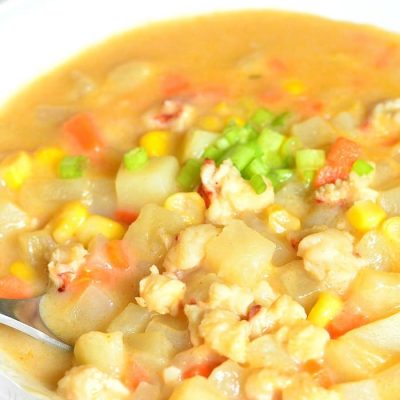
[{"x": 36, "y": 36}]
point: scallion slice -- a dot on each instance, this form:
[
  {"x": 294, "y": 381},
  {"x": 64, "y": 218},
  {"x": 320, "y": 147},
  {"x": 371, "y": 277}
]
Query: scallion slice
[
  {"x": 135, "y": 159},
  {"x": 72, "y": 167},
  {"x": 270, "y": 140},
  {"x": 240, "y": 155},
  {"x": 310, "y": 159},
  {"x": 189, "y": 175},
  {"x": 258, "y": 184},
  {"x": 361, "y": 168},
  {"x": 261, "y": 119}
]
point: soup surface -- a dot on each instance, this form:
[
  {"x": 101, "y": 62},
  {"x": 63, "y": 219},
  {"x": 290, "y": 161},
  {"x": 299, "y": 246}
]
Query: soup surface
[{"x": 211, "y": 210}]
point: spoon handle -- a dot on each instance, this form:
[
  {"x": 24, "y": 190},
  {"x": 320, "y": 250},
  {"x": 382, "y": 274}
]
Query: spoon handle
[{"x": 35, "y": 333}]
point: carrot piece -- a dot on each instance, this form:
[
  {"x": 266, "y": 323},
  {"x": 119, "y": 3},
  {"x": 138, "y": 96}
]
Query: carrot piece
[
  {"x": 13, "y": 288},
  {"x": 125, "y": 216},
  {"x": 341, "y": 157},
  {"x": 135, "y": 373},
  {"x": 116, "y": 254},
  {"x": 83, "y": 133},
  {"x": 346, "y": 321},
  {"x": 174, "y": 84},
  {"x": 320, "y": 373},
  {"x": 203, "y": 369}
]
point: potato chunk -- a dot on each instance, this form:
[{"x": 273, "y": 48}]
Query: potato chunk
[
  {"x": 105, "y": 351},
  {"x": 133, "y": 319},
  {"x": 239, "y": 255},
  {"x": 197, "y": 388}
]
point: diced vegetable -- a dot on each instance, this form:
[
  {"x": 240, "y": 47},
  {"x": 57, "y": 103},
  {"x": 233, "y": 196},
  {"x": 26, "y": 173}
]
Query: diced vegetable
[
  {"x": 195, "y": 142},
  {"x": 258, "y": 184},
  {"x": 279, "y": 176},
  {"x": 133, "y": 319},
  {"x": 261, "y": 119},
  {"x": 255, "y": 167},
  {"x": 190, "y": 206},
  {"x": 361, "y": 168},
  {"x": 239, "y": 254},
  {"x": 327, "y": 307},
  {"x": 83, "y": 134},
  {"x": 72, "y": 167},
  {"x": 365, "y": 215},
  {"x": 280, "y": 220},
  {"x": 314, "y": 132},
  {"x": 12, "y": 218},
  {"x": 389, "y": 200},
  {"x": 240, "y": 155},
  {"x": 289, "y": 148},
  {"x": 157, "y": 143},
  {"x": 125, "y": 217},
  {"x": 189, "y": 175},
  {"x": 23, "y": 271},
  {"x": 12, "y": 287},
  {"x": 309, "y": 159},
  {"x": 151, "y": 184},
  {"x": 391, "y": 229},
  {"x": 35, "y": 247},
  {"x": 104, "y": 351},
  {"x": 135, "y": 159},
  {"x": 196, "y": 388},
  {"x": 270, "y": 140},
  {"x": 15, "y": 169},
  {"x": 228, "y": 378}
]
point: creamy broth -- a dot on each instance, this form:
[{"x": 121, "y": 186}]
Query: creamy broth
[{"x": 333, "y": 76}]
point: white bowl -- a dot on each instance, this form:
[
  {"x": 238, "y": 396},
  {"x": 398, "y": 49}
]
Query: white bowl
[{"x": 37, "y": 35}]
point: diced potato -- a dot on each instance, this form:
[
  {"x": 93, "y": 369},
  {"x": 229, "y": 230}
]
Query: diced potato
[
  {"x": 360, "y": 390},
  {"x": 151, "y": 184},
  {"x": 376, "y": 293},
  {"x": 198, "y": 286},
  {"x": 314, "y": 132},
  {"x": 133, "y": 319},
  {"x": 239, "y": 254},
  {"x": 323, "y": 214},
  {"x": 69, "y": 317},
  {"x": 196, "y": 388},
  {"x": 195, "y": 142},
  {"x": 174, "y": 329},
  {"x": 389, "y": 200},
  {"x": 388, "y": 383},
  {"x": 293, "y": 197},
  {"x": 299, "y": 284},
  {"x": 152, "y": 234},
  {"x": 12, "y": 218},
  {"x": 228, "y": 378},
  {"x": 104, "y": 351},
  {"x": 151, "y": 347}
]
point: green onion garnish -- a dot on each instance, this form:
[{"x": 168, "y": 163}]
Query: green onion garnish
[
  {"x": 240, "y": 155},
  {"x": 270, "y": 141},
  {"x": 135, "y": 159},
  {"x": 261, "y": 119},
  {"x": 273, "y": 160},
  {"x": 307, "y": 177},
  {"x": 361, "y": 168},
  {"x": 280, "y": 121},
  {"x": 72, "y": 167},
  {"x": 289, "y": 148},
  {"x": 279, "y": 176},
  {"x": 212, "y": 153},
  {"x": 189, "y": 175},
  {"x": 258, "y": 184},
  {"x": 256, "y": 167},
  {"x": 310, "y": 159}
]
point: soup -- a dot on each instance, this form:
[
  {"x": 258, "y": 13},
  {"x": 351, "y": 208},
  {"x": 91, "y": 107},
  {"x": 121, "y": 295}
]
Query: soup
[{"x": 210, "y": 209}]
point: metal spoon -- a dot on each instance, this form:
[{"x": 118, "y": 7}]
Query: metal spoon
[{"x": 23, "y": 315}]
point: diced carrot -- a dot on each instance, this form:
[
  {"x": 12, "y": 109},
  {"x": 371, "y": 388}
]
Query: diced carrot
[
  {"x": 320, "y": 372},
  {"x": 83, "y": 133},
  {"x": 341, "y": 157},
  {"x": 13, "y": 288},
  {"x": 203, "y": 369},
  {"x": 125, "y": 216},
  {"x": 116, "y": 254},
  {"x": 135, "y": 373},
  {"x": 347, "y": 320},
  {"x": 174, "y": 84},
  {"x": 253, "y": 311}
]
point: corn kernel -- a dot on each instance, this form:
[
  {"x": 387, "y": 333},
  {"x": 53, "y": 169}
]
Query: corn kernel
[
  {"x": 391, "y": 229},
  {"x": 294, "y": 86},
  {"x": 280, "y": 220},
  {"x": 49, "y": 156},
  {"x": 15, "y": 169},
  {"x": 236, "y": 119},
  {"x": 211, "y": 123},
  {"x": 99, "y": 225},
  {"x": 190, "y": 206},
  {"x": 157, "y": 143},
  {"x": 222, "y": 108},
  {"x": 327, "y": 307},
  {"x": 23, "y": 271},
  {"x": 66, "y": 224},
  {"x": 365, "y": 215}
]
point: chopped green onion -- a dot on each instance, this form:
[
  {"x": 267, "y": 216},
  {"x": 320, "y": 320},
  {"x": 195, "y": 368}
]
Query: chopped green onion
[
  {"x": 261, "y": 119},
  {"x": 135, "y": 159},
  {"x": 189, "y": 175},
  {"x": 240, "y": 155},
  {"x": 310, "y": 159},
  {"x": 212, "y": 153},
  {"x": 279, "y": 176},
  {"x": 273, "y": 160},
  {"x": 280, "y": 121},
  {"x": 307, "y": 177},
  {"x": 233, "y": 134},
  {"x": 258, "y": 184},
  {"x": 361, "y": 168},
  {"x": 270, "y": 141},
  {"x": 256, "y": 167},
  {"x": 289, "y": 148},
  {"x": 72, "y": 167},
  {"x": 247, "y": 133}
]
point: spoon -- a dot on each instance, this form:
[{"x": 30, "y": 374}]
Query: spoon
[{"x": 23, "y": 315}]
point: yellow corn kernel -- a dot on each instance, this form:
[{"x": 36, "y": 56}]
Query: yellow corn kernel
[
  {"x": 99, "y": 225},
  {"x": 391, "y": 229},
  {"x": 222, "y": 108},
  {"x": 66, "y": 224},
  {"x": 157, "y": 143},
  {"x": 190, "y": 205},
  {"x": 23, "y": 271},
  {"x": 236, "y": 119},
  {"x": 49, "y": 156},
  {"x": 211, "y": 123},
  {"x": 280, "y": 220},
  {"x": 294, "y": 86},
  {"x": 15, "y": 169},
  {"x": 327, "y": 307},
  {"x": 365, "y": 215}
]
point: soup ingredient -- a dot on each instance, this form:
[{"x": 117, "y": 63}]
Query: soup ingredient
[
  {"x": 72, "y": 167},
  {"x": 196, "y": 388},
  {"x": 365, "y": 215},
  {"x": 157, "y": 143},
  {"x": 135, "y": 159},
  {"x": 15, "y": 169},
  {"x": 190, "y": 205},
  {"x": 327, "y": 307}
]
